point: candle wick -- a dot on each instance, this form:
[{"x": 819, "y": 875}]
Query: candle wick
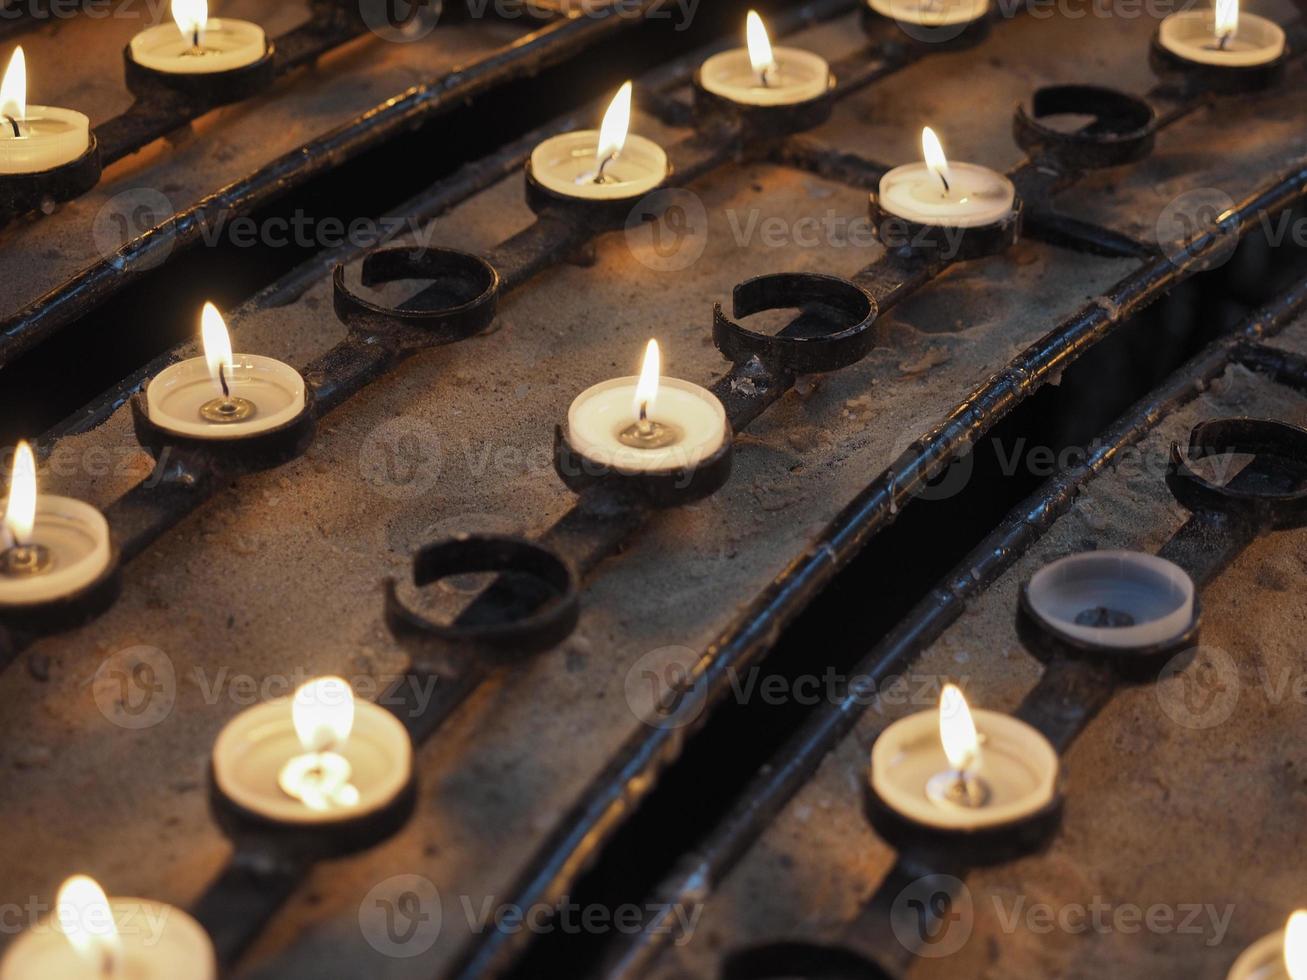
[
  {"x": 1225, "y": 40},
  {"x": 944, "y": 180},
  {"x": 603, "y": 165},
  {"x": 14, "y": 123},
  {"x": 764, "y": 76},
  {"x": 222, "y": 380},
  {"x": 643, "y": 425}
]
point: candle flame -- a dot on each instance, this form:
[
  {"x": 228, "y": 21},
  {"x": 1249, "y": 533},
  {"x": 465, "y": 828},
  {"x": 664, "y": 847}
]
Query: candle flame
[
  {"x": 616, "y": 124},
  {"x": 323, "y": 713},
  {"x": 646, "y": 390},
  {"x": 1226, "y": 20},
  {"x": 957, "y": 730},
  {"x": 191, "y": 16},
  {"x": 13, "y": 89},
  {"x": 87, "y": 920},
  {"x": 1295, "y": 946},
  {"x": 217, "y": 344},
  {"x": 933, "y": 153},
  {"x": 20, "y": 514},
  {"x": 760, "y": 53}
]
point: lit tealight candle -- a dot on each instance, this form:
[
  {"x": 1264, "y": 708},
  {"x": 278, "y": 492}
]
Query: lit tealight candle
[
  {"x": 953, "y": 770},
  {"x": 604, "y": 165},
  {"x": 92, "y": 937},
  {"x": 315, "y": 758},
  {"x": 34, "y": 138},
  {"x": 221, "y": 395},
  {"x": 937, "y": 192},
  {"x": 54, "y": 546},
  {"x": 1222, "y": 37},
  {"x": 1280, "y": 956},
  {"x": 761, "y": 75},
  {"x": 931, "y": 13},
  {"x": 198, "y": 45},
  {"x": 648, "y": 423}
]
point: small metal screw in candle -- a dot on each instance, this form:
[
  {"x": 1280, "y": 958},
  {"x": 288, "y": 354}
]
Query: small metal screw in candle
[
  {"x": 228, "y": 408},
  {"x": 1101, "y": 616},
  {"x": 24, "y": 560}
]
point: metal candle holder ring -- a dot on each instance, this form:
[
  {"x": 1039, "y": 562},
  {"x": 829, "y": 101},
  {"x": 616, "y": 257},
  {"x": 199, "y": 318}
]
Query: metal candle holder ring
[
  {"x": 657, "y": 488},
  {"x": 309, "y": 841},
  {"x": 712, "y": 111},
  {"x": 29, "y": 620},
  {"x": 20, "y": 193},
  {"x": 471, "y": 283},
  {"x": 1123, "y": 129},
  {"x": 504, "y": 641},
  {"x": 596, "y": 215},
  {"x": 975, "y": 847},
  {"x": 1219, "y": 79},
  {"x": 260, "y": 451},
  {"x": 214, "y": 88},
  {"x": 1278, "y": 506},
  {"x": 942, "y": 242},
  {"x": 947, "y": 37},
  {"x": 836, "y": 300}
]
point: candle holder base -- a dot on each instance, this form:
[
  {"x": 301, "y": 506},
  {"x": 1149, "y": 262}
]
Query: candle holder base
[
  {"x": 1279, "y": 500},
  {"x": 510, "y": 622},
  {"x": 595, "y": 215},
  {"x": 310, "y": 841},
  {"x": 21, "y": 193},
  {"x": 757, "y": 122},
  {"x": 25, "y": 621},
  {"x": 881, "y": 28},
  {"x": 201, "y": 88},
  {"x": 260, "y": 451},
  {"x": 942, "y": 243},
  {"x": 1195, "y": 77},
  {"x": 673, "y": 487},
  {"x": 1122, "y": 132},
  {"x": 1152, "y": 617},
  {"x": 460, "y": 302},
  {"x": 828, "y": 298},
  {"x": 980, "y": 847}
]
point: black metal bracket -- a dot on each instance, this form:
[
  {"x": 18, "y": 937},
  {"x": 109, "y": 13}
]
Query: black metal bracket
[
  {"x": 1277, "y": 498},
  {"x": 20, "y": 193},
  {"x": 1123, "y": 129},
  {"x": 824, "y": 301}
]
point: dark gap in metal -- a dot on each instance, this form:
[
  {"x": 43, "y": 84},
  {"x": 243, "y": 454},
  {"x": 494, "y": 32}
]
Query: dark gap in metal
[
  {"x": 896, "y": 570},
  {"x": 69, "y": 369}
]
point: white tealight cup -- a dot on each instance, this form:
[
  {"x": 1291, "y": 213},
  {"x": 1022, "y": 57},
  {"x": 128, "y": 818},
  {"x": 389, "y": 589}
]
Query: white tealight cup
[
  {"x": 931, "y": 13},
  {"x": 176, "y": 395},
  {"x": 75, "y": 537},
  {"x": 1263, "y": 960},
  {"x": 567, "y": 166},
  {"x": 1017, "y": 765},
  {"x": 48, "y": 137},
  {"x": 1191, "y": 35},
  {"x": 156, "y": 942},
  {"x": 253, "y": 750},
  {"x": 977, "y": 196},
  {"x": 227, "y": 44},
  {"x": 1081, "y": 595},
  {"x": 600, "y": 414},
  {"x": 797, "y": 76}
]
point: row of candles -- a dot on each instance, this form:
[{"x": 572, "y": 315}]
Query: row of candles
[
  {"x": 319, "y": 757},
  {"x": 38, "y": 138}
]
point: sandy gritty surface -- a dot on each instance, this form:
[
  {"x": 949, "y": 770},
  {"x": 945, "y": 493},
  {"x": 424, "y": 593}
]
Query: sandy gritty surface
[{"x": 278, "y": 577}]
